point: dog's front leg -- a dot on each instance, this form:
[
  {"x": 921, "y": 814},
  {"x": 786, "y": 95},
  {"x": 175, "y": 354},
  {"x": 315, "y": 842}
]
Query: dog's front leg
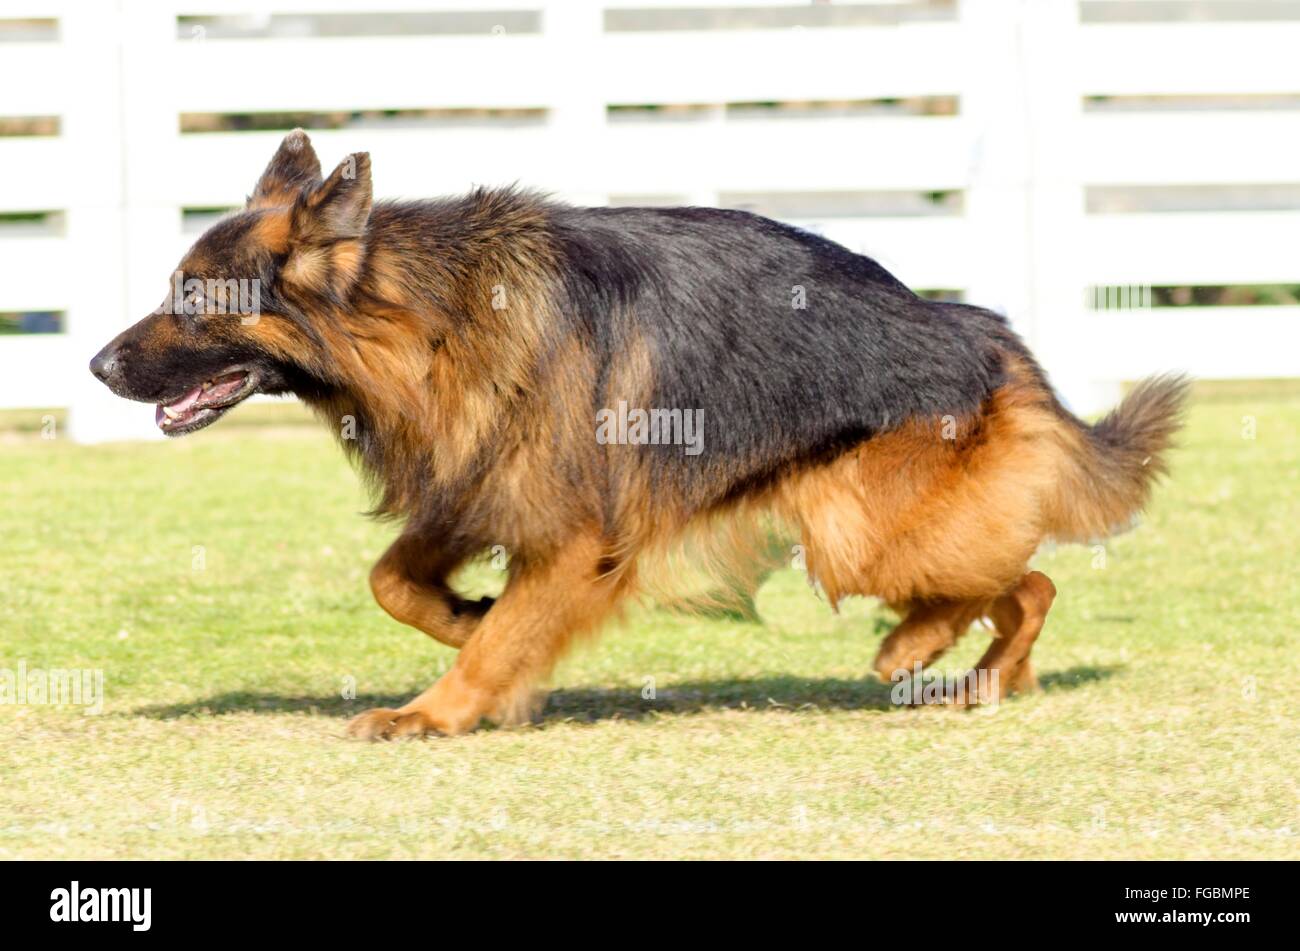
[
  {"x": 409, "y": 582},
  {"x": 545, "y": 603}
]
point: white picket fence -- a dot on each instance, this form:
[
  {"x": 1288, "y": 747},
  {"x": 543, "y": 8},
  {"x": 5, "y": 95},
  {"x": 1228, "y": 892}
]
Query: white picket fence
[{"x": 1020, "y": 151}]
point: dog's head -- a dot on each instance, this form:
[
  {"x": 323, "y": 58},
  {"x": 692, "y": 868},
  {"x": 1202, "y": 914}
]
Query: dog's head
[{"x": 241, "y": 311}]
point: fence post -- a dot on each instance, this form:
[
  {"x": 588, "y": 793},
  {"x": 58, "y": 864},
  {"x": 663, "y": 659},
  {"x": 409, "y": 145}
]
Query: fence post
[
  {"x": 133, "y": 120},
  {"x": 1025, "y": 198},
  {"x": 575, "y": 31},
  {"x": 997, "y": 192},
  {"x": 92, "y": 133}
]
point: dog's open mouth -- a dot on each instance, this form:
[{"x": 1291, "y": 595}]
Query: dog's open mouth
[{"x": 205, "y": 403}]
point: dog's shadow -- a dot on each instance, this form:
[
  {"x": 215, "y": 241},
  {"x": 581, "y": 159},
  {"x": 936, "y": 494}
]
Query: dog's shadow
[{"x": 589, "y": 705}]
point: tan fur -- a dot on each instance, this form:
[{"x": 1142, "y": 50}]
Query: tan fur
[
  {"x": 1108, "y": 470},
  {"x": 908, "y": 515},
  {"x": 410, "y": 583},
  {"x": 914, "y": 515},
  {"x": 542, "y": 608},
  {"x": 274, "y": 229},
  {"x": 307, "y": 267}
]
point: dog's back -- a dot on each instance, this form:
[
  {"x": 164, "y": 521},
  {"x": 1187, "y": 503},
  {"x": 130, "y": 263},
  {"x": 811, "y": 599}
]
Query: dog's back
[{"x": 791, "y": 344}]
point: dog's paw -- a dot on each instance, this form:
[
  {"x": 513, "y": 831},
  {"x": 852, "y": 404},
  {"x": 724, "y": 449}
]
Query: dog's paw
[
  {"x": 896, "y": 661},
  {"x": 382, "y": 724}
]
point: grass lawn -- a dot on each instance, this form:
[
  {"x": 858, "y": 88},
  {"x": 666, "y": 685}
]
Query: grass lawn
[{"x": 219, "y": 582}]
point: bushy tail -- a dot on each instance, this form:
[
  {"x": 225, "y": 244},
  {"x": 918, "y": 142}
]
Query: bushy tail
[{"x": 1110, "y": 467}]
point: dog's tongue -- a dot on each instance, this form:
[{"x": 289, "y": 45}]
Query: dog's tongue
[{"x": 180, "y": 406}]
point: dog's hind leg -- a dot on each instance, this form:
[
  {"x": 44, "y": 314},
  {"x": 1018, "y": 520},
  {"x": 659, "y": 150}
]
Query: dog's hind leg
[
  {"x": 928, "y": 630},
  {"x": 545, "y": 603},
  {"x": 1018, "y": 617},
  {"x": 409, "y": 582},
  {"x": 932, "y": 627}
]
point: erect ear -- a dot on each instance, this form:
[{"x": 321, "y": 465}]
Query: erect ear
[
  {"x": 340, "y": 207},
  {"x": 326, "y": 229},
  {"x": 292, "y": 170}
]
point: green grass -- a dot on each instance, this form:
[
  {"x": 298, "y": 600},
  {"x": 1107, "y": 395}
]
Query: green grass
[{"x": 1166, "y": 727}]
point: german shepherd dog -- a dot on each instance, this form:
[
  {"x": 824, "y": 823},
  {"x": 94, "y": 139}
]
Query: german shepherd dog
[{"x": 469, "y": 351}]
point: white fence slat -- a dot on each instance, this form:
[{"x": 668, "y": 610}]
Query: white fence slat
[
  {"x": 359, "y": 73},
  {"x": 33, "y": 371},
  {"x": 809, "y": 64},
  {"x": 848, "y": 154},
  {"x": 1187, "y": 58},
  {"x": 35, "y": 79},
  {"x": 251, "y": 7},
  {"x": 40, "y": 174},
  {"x": 1208, "y": 342},
  {"x": 1192, "y": 148},
  {"x": 35, "y": 275},
  {"x": 1191, "y": 248}
]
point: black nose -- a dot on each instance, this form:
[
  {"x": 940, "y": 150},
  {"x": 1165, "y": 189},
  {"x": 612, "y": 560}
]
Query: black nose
[{"x": 104, "y": 363}]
